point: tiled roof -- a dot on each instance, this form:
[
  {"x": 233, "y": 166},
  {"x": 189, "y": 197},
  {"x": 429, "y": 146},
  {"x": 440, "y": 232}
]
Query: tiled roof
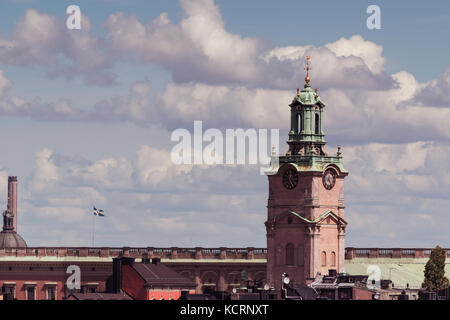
[
  {"x": 101, "y": 296},
  {"x": 159, "y": 274}
]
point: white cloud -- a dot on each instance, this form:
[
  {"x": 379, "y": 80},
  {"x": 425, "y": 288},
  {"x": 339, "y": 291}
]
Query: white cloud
[
  {"x": 110, "y": 173},
  {"x": 436, "y": 92},
  {"x": 369, "y": 52},
  {"x": 155, "y": 168},
  {"x": 199, "y": 46},
  {"x": 200, "y": 49},
  {"x": 46, "y": 172},
  {"x": 43, "y": 40},
  {"x": 397, "y": 188},
  {"x": 5, "y": 84},
  {"x": 222, "y": 106},
  {"x": 64, "y": 214},
  {"x": 386, "y": 123},
  {"x": 387, "y": 183},
  {"x": 160, "y": 196}
]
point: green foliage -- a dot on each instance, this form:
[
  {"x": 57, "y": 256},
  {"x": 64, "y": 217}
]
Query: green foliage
[{"x": 435, "y": 278}]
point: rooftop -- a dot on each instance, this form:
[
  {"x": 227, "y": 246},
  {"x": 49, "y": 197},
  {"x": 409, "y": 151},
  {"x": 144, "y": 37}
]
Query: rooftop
[
  {"x": 159, "y": 274},
  {"x": 11, "y": 239},
  {"x": 100, "y": 296}
]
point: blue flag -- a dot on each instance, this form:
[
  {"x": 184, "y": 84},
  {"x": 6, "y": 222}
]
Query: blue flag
[{"x": 98, "y": 212}]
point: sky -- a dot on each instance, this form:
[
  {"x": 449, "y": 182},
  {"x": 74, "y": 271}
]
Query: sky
[{"x": 86, "y": 116}]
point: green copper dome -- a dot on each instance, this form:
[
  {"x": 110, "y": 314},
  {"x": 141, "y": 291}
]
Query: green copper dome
[{"x": 307, "y": 96}]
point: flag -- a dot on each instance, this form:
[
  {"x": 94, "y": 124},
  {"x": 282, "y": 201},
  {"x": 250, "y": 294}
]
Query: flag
[{"x": 98, "y": 212}]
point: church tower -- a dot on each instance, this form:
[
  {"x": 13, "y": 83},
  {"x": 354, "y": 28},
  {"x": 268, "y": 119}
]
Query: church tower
[
  {"x": 9, "y": 238},
  {"x": 305, "y": 211}
]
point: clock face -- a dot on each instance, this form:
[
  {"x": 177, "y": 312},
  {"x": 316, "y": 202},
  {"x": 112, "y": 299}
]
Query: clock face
[
  {"x": 290, "y": 179},
  {"x": 328, "y": 179}
]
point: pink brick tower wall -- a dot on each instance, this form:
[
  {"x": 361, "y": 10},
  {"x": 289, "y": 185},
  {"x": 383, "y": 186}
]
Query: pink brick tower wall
[{"x": 310, "y": 199}]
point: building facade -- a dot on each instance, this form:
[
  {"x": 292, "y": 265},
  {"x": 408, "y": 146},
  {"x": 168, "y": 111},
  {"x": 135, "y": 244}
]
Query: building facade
[
  {"x": 43, "y": 270},
  {"x": 149, "y": 280}
]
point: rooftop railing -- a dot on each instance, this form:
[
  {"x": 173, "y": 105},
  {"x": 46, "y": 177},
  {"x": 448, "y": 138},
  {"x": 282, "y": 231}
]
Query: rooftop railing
[
  {"x": 197, "y": 253},
  {"x": 351, "y": 253}
]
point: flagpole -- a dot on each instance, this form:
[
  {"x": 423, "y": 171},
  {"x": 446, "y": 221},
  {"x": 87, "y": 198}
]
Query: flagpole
[{"x": 93, "y": 229}]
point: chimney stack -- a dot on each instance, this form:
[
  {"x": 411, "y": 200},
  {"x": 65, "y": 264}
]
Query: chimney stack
[
  {"x": 117, "y": 272},
  {"x": 12, "y": 198}
]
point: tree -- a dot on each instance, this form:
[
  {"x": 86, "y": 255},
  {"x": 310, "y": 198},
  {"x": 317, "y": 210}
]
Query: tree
[{"x": 435, "y": 278}]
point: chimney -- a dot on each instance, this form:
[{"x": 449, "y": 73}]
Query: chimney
[
  {"x": 117, "y": 275},
  {"x": 332, "y": 273},
  {"x": 117, "y": 272},
  {"x": 12, "y": 199}
]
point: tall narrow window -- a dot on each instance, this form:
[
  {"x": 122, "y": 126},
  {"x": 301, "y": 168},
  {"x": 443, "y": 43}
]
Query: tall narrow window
[
  {"x": 299, "y": 123},
  {"x": 30, "y": 293},
  {"x": 290, "y": 254},
  {"x": 8, "y": 292},
  {"x": 51, "y": 293},
  {"x": 324, "y": 259},
  {"x": 333, "y": 259},
  {"x": 317, "y": 124}
]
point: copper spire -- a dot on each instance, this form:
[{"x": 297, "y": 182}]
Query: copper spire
[{"x": 307, "y": 79}]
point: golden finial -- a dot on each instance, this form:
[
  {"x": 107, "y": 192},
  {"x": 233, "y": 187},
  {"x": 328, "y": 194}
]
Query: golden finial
[{"x": 307, "y": 79}]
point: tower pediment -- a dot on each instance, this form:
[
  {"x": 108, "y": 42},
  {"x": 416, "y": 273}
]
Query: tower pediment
[{"x": 324, "y": 218}]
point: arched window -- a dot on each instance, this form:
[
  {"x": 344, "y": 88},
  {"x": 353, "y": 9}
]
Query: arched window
[
  {"x": 333, "y": 258},
  {"x": 299, "y": 123},
  {"x": 324, "y": 259},
  {"x": 290, "y": 254},
  {"x": 317, "y": 124}
]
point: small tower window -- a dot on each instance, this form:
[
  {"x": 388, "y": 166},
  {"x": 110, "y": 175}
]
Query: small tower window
[
  {"x": 324, "y": 259},
  {"x": 317, "y": 124},
  {"x": 299, "y": 123},
  {"x": 290, "y": 254},
  {"x": 333, "y": 259}
]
